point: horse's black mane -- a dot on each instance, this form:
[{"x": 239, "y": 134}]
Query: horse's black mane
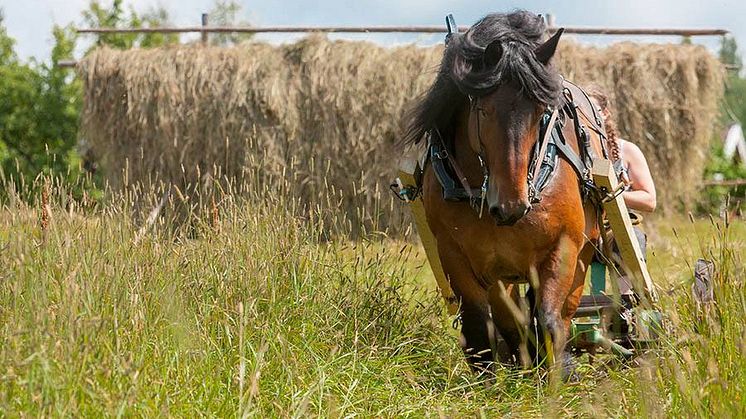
[{"x": 463, "y": 72}]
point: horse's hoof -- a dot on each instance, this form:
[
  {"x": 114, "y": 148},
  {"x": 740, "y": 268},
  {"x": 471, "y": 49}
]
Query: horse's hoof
[{"x": 569, "y": 369}]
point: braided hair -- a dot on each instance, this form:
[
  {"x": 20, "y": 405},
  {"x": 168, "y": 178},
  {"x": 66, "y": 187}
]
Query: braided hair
[{"x": 612, "y": 134}]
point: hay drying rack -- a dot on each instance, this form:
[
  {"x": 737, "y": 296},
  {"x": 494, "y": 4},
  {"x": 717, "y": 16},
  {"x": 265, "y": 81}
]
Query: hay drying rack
[{"x": 205, "y": 29}]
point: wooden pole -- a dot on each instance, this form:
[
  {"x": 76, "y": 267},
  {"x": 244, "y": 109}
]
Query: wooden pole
[
  {"x": 621, "y": 225},
  {"x": 67, "y": 63},
  {"x": 205, "y": 33},
  {"x": 726, "y": 182},
  {"x": 394, "y": 29},
  {"x": 429, "y": 242}
]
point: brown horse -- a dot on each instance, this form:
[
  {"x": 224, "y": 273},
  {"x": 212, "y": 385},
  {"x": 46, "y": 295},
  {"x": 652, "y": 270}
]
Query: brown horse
[{"x": 482, "y": 119}]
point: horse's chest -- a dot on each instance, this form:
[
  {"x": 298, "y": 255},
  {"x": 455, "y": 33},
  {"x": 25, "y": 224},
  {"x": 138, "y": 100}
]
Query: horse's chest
[{"x": 507, "y": 253}]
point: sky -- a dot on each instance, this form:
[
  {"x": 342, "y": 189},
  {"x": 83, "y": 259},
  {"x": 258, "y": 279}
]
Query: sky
[{"x": 30, "y": 21}]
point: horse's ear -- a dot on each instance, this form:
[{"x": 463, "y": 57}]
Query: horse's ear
[
  {"x": 546, "y": 51},
  {"x": 493, "y": 53}
]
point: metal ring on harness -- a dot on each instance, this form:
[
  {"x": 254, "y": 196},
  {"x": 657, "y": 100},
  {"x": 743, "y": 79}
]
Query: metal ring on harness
[
  {"x": 405, "y": 193},
  {"x": 610, "y": 196},
  {"x": 442, "y": 154}
]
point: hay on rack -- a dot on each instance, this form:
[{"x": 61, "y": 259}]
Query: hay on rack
[
  {"x": 326, "y": 115},
  {"x": 666, "y": 101}
]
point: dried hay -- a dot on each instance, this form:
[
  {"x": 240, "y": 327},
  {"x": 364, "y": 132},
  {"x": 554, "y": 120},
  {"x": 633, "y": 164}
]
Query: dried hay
[
  {"x": 666, "y": 101},
  {"x": 327, "y": 115}
]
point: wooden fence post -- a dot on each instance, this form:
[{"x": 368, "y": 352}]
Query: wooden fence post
[{"x": 205, "y": 20}]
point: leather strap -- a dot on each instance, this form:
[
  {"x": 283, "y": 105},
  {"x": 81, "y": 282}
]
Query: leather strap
[
  {"x": 538, "y": 158},
  {"x": 571, "y": 156},
  {"x": 438, "y": 155},
  {"x": 461, "y": 177},
  {"x": 595, "y": 121}
]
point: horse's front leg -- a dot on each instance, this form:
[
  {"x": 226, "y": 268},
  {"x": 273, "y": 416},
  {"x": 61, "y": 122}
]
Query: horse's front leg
[
  {"x": 477, "y": 329},
  {"x": 560, "y": 287},
  {"x": 508, "y": 317}
]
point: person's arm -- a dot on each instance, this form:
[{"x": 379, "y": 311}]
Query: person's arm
[{"x": 641, "y": 196}]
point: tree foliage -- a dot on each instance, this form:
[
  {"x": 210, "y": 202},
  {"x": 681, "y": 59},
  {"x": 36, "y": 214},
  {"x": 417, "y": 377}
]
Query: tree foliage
[
  {"x": 40, "y": 101},
  {"x": 228, "y": 13},
  {"x": 39, "y": 108},
  {"x": 733, "y": 110},
  {"x": 729, "y": 53},
  {"x": 98, "y": 15}
]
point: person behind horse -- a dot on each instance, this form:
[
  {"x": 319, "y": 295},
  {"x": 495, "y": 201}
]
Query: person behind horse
[{"x": 635, "y": 173}]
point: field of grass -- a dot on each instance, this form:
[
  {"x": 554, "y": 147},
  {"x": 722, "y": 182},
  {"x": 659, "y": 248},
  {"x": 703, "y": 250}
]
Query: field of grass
[{"x": 256, "y": 313}]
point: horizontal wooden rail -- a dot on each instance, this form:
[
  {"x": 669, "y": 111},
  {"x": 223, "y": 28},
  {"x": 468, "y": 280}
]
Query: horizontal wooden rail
[
  {"x": 205, "y": 29},
  {"x": 394, "y": 29},
  {"x": 644, "y": 31}
]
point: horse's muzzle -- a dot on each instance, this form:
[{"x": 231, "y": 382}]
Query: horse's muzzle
[{"x": 509, "y": 213}]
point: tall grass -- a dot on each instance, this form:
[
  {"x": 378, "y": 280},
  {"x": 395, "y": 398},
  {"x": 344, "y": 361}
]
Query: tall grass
[{"x": 257, "y": 311}]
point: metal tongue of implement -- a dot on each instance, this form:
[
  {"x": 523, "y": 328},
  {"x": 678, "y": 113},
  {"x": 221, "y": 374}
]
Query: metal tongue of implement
[{"x": 452, "y": 28}]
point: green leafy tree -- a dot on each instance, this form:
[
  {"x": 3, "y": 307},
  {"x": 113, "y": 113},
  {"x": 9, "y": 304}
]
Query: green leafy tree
[
  {"x": 729, "y": 54},
  {"x": 733, "y": 109},
  {"x": 98, "y": 15},
  {"x": 734, "y": 105},
  {"x": 40, "y": 102},
  {"x": 39, "y": 111},
  {"x": 228, "y": 13}
]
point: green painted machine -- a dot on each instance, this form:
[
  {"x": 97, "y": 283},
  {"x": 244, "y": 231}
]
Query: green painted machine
[{"x": 600, "y": 322}]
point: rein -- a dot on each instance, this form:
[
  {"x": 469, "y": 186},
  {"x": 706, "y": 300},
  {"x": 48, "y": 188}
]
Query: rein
[{"x": 540, "y": 150}]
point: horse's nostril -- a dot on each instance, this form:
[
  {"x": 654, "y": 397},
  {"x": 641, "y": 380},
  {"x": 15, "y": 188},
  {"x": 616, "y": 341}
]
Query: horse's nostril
[
  {"x": 510, "y": 212},
  {"x": 524, "y": 209}
]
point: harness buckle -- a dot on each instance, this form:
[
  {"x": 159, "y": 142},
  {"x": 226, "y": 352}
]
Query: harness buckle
[
  {"x": 457, "y": 321},
  {"x": 405, "y": 193},
  {"x": 533, "y": 193},
  {"x": 442, "y": 154}
]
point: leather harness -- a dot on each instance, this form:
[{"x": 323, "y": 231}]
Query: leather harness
[{"x": 550, "y": 145}]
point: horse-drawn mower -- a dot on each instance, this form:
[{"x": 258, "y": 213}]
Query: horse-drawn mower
[
  {"x": 602, "y": 322},
  {"x": 501, "y": 116}
]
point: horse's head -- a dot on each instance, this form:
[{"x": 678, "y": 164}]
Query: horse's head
[
  {"x": 503, "y": 67},
  {"x": 503, "y": 128}
]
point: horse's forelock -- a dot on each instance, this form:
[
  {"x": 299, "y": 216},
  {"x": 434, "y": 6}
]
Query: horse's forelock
[
  {"x": 463, "y": 74},
  {"x": 520, "y": 33}
]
